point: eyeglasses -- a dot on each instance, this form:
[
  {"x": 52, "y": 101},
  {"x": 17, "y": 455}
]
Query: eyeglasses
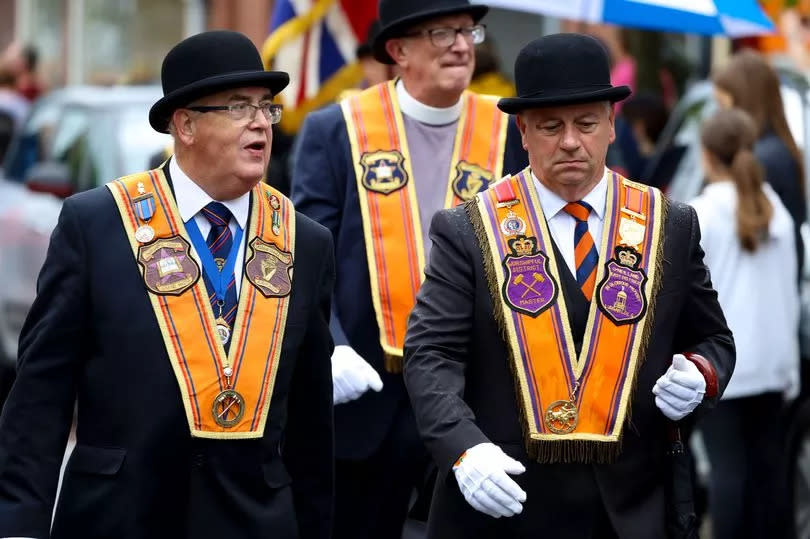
[
  {"x": 240, "y": 111},
  {"x": 446, "y": 36}
]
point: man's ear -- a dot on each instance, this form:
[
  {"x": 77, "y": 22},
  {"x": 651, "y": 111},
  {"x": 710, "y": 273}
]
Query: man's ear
[
  {"x": 521, "y": 124},
  {"x": 184, "y": 126},
  {"x": 397, "y": 49}
]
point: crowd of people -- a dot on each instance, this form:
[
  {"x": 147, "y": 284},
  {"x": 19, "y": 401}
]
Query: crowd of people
[{"x": 465, "y": 309}]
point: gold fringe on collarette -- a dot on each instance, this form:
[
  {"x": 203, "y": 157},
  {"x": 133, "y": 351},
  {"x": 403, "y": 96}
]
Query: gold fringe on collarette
[
  {"x": 658, "y": 281},
  {"x": 393, "y": 364},
  {"x": 581, "y": 451}
]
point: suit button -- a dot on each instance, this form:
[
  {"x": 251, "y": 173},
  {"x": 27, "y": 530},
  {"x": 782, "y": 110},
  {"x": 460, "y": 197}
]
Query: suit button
[{"x": 198, "y": 460}]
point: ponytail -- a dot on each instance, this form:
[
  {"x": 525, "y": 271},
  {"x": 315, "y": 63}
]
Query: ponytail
[{"x": 754, "y": 210}]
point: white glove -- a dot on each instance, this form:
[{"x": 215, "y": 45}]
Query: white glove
[
  {"x": 680, "y": 389},
  {"x": 481, "y": 475},
  {"x": 351, "y": 375}
]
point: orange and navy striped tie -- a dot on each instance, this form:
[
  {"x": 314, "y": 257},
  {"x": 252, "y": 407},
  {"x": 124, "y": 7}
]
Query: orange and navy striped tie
[{"x": 585, "y": 254}]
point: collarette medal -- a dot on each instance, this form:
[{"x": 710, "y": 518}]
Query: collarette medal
[
  {"x": 144, "y": 206},
  {"x": 223, "y": 330},
  {"x": 561, "y": 417},
  {"x": 228, "y": 408},
  {"x": 512, "y": 225}
]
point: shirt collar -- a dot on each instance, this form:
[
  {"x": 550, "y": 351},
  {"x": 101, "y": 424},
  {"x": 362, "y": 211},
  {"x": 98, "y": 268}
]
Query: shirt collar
[
  {"x": 552, "y": 203},
  {"x": 425, "y": 113},
  {"x": 191, "y": 199}
]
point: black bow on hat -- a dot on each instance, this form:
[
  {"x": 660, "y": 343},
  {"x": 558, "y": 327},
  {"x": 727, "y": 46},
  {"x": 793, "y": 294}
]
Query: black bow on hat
[
  {"x": 397, "y": 16},
  {"x": 205, "y": 64},
  {"x": 562, "y": 69}
]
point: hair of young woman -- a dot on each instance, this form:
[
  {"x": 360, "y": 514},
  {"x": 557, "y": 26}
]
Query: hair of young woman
[
  {"x": 754, "y": 87},
  {"x": 728, "y": 137}
]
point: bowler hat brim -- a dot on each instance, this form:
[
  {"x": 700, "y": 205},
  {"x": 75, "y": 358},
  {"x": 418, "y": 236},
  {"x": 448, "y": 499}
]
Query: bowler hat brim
[
  {"x": 513, "y": 105},
  {"x": 162, "y": 110},
  {"x": 397, "y": 27}
]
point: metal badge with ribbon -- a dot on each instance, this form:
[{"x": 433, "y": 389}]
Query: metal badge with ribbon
[
  {"x": 219, "y": 278},
  {"x": 144, "y": 206}
]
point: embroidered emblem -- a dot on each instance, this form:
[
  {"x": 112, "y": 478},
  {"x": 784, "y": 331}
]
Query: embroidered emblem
[
  {"x": 528, "y": 287},
  {"x": 470, "y": 180},
  {"x": 269, "y": 269},
  {"x": 167, "y": 267},
  {"x": 383, "y": 171},
  {"x": 620, "y": 295}
]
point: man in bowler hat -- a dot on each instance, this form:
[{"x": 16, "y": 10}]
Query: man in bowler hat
[
  {"x": 185, "y": 310},
  {"x": 566, "y": 320},
  {"x": 374, "y": 169}
]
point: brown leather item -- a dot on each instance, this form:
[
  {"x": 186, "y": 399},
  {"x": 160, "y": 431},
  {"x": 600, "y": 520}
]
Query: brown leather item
[{"x": 707, "y": 370}]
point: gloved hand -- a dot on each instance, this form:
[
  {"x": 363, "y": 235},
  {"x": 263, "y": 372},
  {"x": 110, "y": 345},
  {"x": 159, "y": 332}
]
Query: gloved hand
[
  {"x": 351, "y": 375},
  {"x": 680, "y": 389},
  {"x": 481, "y": 476}
]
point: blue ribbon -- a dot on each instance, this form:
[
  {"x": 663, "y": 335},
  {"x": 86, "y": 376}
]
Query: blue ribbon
[{"x": 218, "y": 279}]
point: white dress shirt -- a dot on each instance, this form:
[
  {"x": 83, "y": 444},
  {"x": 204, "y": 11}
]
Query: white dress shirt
[
  {"x": 561, "y": 224},
  {"x": 757, "y": 291},
  {"x": 191, "y": 199}
]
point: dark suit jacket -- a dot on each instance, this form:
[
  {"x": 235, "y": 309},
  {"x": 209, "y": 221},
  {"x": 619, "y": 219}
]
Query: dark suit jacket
[
  {"x": 91, "y": 336},
  {"x": 324, "y": 188},
  {"x": 458, "y": 377}
]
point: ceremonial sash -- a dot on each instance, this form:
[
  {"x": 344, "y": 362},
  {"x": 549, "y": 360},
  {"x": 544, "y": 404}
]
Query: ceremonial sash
[
  {"x": 388, "y": 205},
  {"x": 225, "y": 396},
  {"x": 573, "y": 407}
]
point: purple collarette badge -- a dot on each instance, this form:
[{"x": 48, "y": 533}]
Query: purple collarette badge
[
  {"x": 620, "y": 295},
  {"x": 528, "y": 287},
  {"x": 269, "y": 269},
  {"x": 167, "y": 267}
]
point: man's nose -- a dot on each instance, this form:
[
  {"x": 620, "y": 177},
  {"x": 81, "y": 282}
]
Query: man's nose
[
  {"x": 461, "y": 44},
  {"x": 259, "y": 119},
  {"x": 570, "y": 139}
]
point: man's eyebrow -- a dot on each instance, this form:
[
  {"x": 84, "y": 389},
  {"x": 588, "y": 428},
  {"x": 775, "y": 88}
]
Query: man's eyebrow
[{"x": 240, "y": 97}]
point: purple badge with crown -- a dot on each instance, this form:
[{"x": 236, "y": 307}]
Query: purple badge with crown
[
  {"x": 528, "y": 287},
  {"x": 620, "y": 295}
]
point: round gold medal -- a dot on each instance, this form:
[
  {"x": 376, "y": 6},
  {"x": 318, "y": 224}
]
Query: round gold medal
[
  {"x": 561, "y": 417},
  {"x": 228, "y": 409}
]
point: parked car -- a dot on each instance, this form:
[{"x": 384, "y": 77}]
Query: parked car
[
  {"x": 75, "y": 139},
  {"x": 677, "y": 168}
]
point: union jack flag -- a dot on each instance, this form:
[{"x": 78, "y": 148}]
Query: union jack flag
[{"x": 315, "y": 42}]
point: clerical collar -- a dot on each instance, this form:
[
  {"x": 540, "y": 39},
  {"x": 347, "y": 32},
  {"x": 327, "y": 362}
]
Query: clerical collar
[{"x": 425, "y": 113}]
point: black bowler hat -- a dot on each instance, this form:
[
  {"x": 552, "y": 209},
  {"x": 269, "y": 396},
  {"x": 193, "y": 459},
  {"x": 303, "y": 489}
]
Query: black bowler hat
[
  {"x": 562, "y": 69},
  {"x": 208, "y": 63},
  {"x": 397, "y": 16}
]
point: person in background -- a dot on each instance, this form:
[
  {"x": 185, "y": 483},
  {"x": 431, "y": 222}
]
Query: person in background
[
  {"x": 374, "y": 71},
  {"x": 747, "y": 237},
  {"x": 23, "y": 62},
  {"x": 13, "y": 110},
  {"x": 641, "y": 122},
  {"x": 559, "y": 329},
  {"x": 374, "y": 169},
  {"x": 748, "y": 82},
  {"x": 488, "y": 78},
  {"x": 168, "y": 309},
  {"x": 12, "y": 101}
]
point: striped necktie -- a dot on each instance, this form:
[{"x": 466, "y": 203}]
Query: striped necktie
[
  {"x": 585, "y": 255},
  {"x": 220, "y": 241}
]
